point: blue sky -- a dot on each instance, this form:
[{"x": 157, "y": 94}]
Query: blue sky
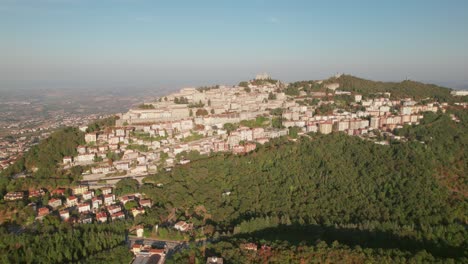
[{"x": 146, "y": 44}]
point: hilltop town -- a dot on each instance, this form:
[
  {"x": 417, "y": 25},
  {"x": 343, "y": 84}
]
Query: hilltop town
[
  {"x": 196, "y": 123},
  {"x": 169, "y": 130}
]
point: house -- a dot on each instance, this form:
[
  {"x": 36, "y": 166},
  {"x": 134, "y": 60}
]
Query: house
[
  {"x": 114, "y": 209},
  {"x": 183, "y": 226},
  {"x": 325, "y": 127},
  {"x": 85, "y": 158},
  {"x": 101, "y": 169},
  {"x": 59, "y": 192},
  {"x": 119, "y": 215},
  {"x": 36, "y": 193},
  {"x": 81, "y": 150},
  {"x": 137, "y": 211},
  {"x": 42, "y": 212},
  {"x": 96, "y": 202},
  {"x": 123, "y": 165},
  {"x": 127, "y": 198},
  {"x": 88, "y": 195},
  {"x": 101, "y": 217},
  {"x": 64, "y": 215},
  {"x": 145, "y": 203},
  {"x": 72, "y": 201},
  {"x": 106, "y": 190},
  {"x": 86, "y": 219},
  {"x": 156, "y": 251},
  {"x": 13, "y": 196},
  {"x": 136, "y": 248},
  {"x": 249, "y": 246},
  {"x": 84, "y": 208},
  {"x": 80, "y": 189},
  {"x": 139, "y": 169},
  {"x": 109, "y": 199},
  {"x": 250, "y": 147},
  {"x": 54, "y": 203},
  {"x": 214, "y": 260},
  {"x": 67, "y": 160},
  {"x": 139, "y": 231},
  {"x": 90, "y": 137}
]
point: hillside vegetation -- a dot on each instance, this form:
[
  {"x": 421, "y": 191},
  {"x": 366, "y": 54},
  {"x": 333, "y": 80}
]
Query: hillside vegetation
[
  {"x": 407, "y": 88},
  {"x": 335, "y": 188}
]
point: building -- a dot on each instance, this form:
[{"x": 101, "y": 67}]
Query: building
[
  {"x": 374, "y": 123},
  {"x": 214, "y": 260},
  {"x": 36, "y": 193},
  {"x": 137, "y": 211},
  {"x": 84, "y": 208},
  {"x": 127, "y": 198},
  {"x": 86, "y": 219},
  {"x": 72, "y": 201},
  {"x": 88, "y": 195},
  {"x": 42, "y": 212},
  {"x": 459, "y": 93},
  {"x": 357, "y": 98},
  {"x": 85, "y": 158},
  {"x": 183, "y": 226},
  {"x": 262, "y": 76},
  {"x": 145, "y": 203},
  {"x": 79, "y": 190},
  {"x": 118, "y": 215},
  {"x": 96, "y": 202},
  {"x": 325, "y": 127},
  {"x": 59, "y": 192},
  {"x": 101, "y": 217},
  {"x": 54, "y": 203},
  {"x": 64, "y": 215},
  {"x": 106, "y": 190},
  {"x": 113, "y": 209},
  {"x": 13, "y": 196},
  {"x": 90, "y": 137},
  {"x": 109, "y": 199},
  {"x": 249, "y": 246},
  {"x": 67, "y": 160}
]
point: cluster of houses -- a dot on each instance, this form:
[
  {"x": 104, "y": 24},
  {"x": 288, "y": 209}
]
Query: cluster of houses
[
  {"x": 83, "y": 205},
  {"x": 167, "y": 127},
  {"x": 379, "y": 114}
]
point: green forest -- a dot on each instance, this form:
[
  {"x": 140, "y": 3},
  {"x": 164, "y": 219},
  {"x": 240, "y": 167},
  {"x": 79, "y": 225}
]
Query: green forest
[
  {"x": 335, "y": 194},
  {"x": 398, "y": 90}
]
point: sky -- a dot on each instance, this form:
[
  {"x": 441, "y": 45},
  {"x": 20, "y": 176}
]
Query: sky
[{"x": 155, "y": 44}]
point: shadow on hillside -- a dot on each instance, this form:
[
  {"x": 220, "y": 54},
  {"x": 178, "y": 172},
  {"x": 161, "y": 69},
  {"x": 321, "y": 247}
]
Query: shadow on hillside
[{"x": 312, "y": 234}]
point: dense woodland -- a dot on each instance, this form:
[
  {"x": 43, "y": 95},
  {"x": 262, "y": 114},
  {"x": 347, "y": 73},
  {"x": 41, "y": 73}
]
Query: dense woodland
[
  {"x": 41, "y": 163},
  {"x": 53, "y": 241},
  {"x": 398, "y": 90},
  {"x": 394, "y": 202}
]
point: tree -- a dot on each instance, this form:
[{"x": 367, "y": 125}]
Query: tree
[
  {"x": 244, "y": 84},
  {"x": 126, "y": 186},
  {"x": 271, "y": 96},
  {"x": 201, "y": 112},
  {"x": 230, "y": 127},
  {"x": 130, "y": 205}
]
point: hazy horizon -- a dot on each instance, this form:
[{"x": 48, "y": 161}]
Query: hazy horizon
[{"x": 140, "y": 44}]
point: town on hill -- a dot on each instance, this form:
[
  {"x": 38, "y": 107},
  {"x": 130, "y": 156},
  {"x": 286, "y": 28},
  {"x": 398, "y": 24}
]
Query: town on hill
[{"x": 100, "y": 173}]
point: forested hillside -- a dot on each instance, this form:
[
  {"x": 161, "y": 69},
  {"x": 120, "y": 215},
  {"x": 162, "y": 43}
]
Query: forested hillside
[
  {"x": 399, "y": 90},
  {"x": 42, "y": 161},
  {"x": 336, "y": 187}
]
